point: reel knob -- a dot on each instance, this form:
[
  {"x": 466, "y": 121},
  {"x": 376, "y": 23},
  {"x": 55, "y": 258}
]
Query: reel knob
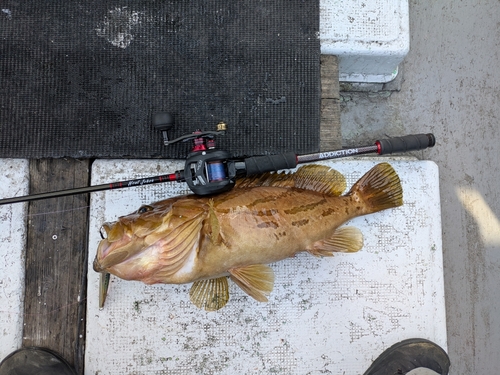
[{"x": 163, "y": 121}]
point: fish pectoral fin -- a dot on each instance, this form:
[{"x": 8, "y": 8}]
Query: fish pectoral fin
[
  {"x": 344, "y": 240},
  {"x": 214, "y": 224},
  {"x": 256, "y": 280},
  {"x": 211, "y": 294},
  {"x": 177, "y": 246}
]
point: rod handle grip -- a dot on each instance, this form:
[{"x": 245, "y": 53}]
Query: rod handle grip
[
  {"x": 270, "y": 163},
  {"x": 410, "y": 142}
]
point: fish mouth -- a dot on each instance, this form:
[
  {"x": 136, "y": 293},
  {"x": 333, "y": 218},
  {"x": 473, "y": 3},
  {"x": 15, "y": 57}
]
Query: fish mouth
[
  {"x": 97, "y": 266},
  {"x": 111, "y": 232},
  {"x": 102, "y": 250},
  {"x": 121, "y": 244}
]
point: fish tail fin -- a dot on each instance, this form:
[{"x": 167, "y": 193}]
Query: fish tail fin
[{"x": 379, "y": 189}]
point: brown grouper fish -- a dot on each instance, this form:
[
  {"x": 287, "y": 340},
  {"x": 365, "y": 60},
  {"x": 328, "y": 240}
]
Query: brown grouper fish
[{"x": 205, "y": 240}]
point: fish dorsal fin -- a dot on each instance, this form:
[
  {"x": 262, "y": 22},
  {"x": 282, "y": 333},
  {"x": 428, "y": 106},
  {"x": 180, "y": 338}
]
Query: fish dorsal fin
[
  {"x": 211, "y": 294},
  {"x": 313, "y": 177},
  {"x": 320, "y": 178},
  {"x": 281, "y": 179},
  {"x": 343, "y": 240},
  {"x": 256, "y": 280}
]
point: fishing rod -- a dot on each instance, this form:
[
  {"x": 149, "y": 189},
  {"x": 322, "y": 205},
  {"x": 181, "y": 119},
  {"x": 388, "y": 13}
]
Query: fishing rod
[{"x": 210, "y": 171}]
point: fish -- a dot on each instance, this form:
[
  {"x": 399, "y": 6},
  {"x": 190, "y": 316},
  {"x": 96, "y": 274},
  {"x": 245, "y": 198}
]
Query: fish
[{"x": 206, "y": 240}]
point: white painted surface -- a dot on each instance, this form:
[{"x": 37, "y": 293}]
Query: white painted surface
[
  {"x": 371, "y": 37},
  {"x": 14, "y": 181},
  {"x": 332, "y": 314}
]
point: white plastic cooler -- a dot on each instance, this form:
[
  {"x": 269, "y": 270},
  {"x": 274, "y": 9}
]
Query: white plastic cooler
[
  {"x": 14, "y": 181},
  {"x": 330, "y": 315},
  {"x": 370, "y": 37}
]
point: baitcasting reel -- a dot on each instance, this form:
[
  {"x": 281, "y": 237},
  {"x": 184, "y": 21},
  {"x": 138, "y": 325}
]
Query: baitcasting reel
[{"x": 206, "y": 169}]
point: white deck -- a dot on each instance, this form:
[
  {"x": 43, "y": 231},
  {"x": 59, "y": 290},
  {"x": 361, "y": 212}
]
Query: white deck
[
  {"x": 14, "y": 181},
  {"x": 334, "y": 314}
]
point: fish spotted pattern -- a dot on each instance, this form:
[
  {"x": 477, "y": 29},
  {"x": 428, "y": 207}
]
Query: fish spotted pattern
[{"x": 205, "y": 240}]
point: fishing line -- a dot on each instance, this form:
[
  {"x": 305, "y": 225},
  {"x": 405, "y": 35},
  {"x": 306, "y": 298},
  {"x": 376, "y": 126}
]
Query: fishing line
[{"x": 60, "y": 211}]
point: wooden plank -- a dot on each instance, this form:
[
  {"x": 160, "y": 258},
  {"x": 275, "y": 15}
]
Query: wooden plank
[
  {"x": 330, "y": 129},
  {"x": 56, "y": 260}
]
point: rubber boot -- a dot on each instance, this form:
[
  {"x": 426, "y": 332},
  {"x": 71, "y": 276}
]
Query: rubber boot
[
  {"x": 408, "y": 355},
  {"x": 35, "y": 361}
]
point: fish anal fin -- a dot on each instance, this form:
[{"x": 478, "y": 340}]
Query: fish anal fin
[
  {"x": 210, "y": 294},
  {"x": 256, "y": 280},
  {"x": 344, "y": 240}
]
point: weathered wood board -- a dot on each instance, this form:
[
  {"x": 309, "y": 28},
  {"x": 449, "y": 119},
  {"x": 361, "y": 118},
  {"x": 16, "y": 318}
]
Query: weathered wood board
[{"x": 56, "y": 253}]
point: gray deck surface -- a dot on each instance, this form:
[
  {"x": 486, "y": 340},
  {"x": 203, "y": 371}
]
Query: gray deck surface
[{"x": 450, "y": 88}]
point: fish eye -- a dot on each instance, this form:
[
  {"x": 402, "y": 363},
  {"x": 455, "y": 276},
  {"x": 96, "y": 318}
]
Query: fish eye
[{"x": 144, "y": 209}]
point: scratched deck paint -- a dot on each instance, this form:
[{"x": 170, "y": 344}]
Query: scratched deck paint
[
  {"x": 330, "y": 315},
  {"x": 14, "y": 175}
]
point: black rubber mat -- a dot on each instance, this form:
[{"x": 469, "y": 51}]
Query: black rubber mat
[{"x": 83, "y": 78}]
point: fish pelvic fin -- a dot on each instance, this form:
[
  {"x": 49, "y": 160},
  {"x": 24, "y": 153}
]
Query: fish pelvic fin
[
  {"x": 379, "y": 189},
  {"x": 256, "y": 280},
  {"x": 344, "y": 240},
  {"x": 210, "y": 294}
]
